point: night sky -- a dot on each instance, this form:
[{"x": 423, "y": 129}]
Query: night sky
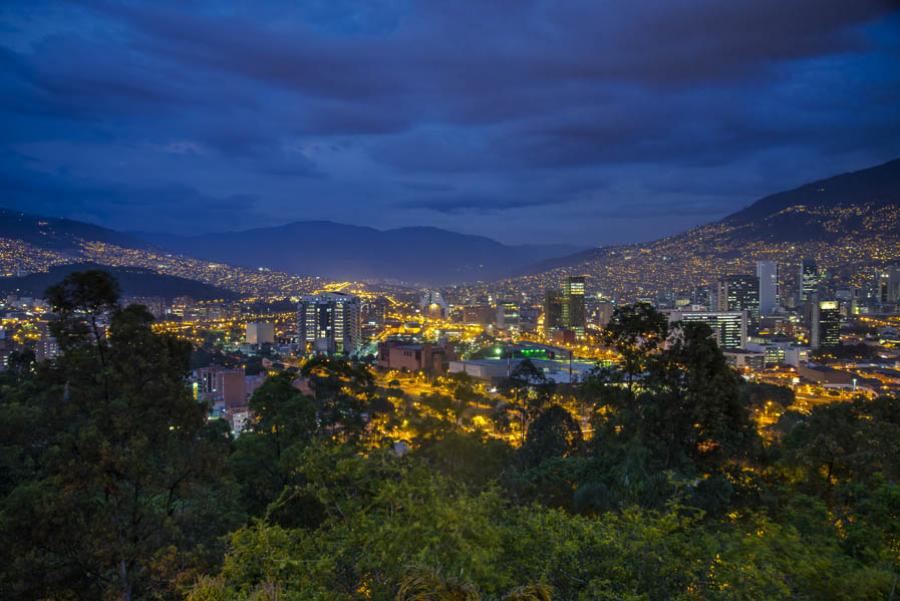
[{"x": 588, "y": 122}]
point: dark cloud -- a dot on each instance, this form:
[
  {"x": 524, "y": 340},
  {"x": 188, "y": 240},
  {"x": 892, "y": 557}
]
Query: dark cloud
[
  {"x": 481, "y": 205},
  {"x": 392, "y": 110},
  {"x": 170, "y": 206}
]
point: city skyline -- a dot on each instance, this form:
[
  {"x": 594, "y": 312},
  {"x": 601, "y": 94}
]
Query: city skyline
[
  {"x": 524, "y": 125},
  {"x": 405, "y": 300}
]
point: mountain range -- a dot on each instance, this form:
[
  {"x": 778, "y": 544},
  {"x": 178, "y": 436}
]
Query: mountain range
[
  {"x": 845, "y": 222},
  {"x": 59, "y": 234},
  {"x": 420, "y": 255}
]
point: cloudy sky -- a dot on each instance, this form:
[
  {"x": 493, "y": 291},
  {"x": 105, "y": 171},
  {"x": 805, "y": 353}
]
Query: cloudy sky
[{"x": 587, "y": 122}]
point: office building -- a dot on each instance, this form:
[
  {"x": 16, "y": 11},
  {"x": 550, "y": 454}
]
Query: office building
[
  {"x": 825, "y": 330},
  {"x": 553, "y": 311},
  {"x": 260, "y": 332},
  {"x": 889, "y": 284},
  {"x": 329, "y": 323},
  {"x": 729, "y": 327},
  {"x": 565, "y": 309},
  {"x": 574, "y": 314},
  {"x": 744, "y": 359},
  {"x": 767, "y": 272},
  {"x": 807, "y": 280},
  {"x": 738, "y": 293}
]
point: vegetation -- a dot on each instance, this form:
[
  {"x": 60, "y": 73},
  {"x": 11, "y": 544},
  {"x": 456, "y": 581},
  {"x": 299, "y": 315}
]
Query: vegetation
[{"x": 113, "y": 484}]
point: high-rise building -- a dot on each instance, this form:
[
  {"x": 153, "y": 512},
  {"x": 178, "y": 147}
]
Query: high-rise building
[
  {"x": 260, "y": 332},
  {"x": 565, "y": 309},
  {"x": 738, "y": 293},
  {"x": 553, "y": 311},
  {"x": 890, "y": 285},
  {"x": 329, "y": 323},
  {"x": 574, "y": 315},
  {"x": 807, "y": 280},
  {"x": 825, "y": 331},
  {"x": 767, "y": 272},
  {"x": 729, "y": 327}
]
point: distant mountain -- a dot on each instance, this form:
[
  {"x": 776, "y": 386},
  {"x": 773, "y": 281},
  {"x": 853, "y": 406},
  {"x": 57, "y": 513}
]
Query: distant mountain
[
  {"x": 846, "y": 223},
  {"x": 878, "y": 186},
  {"x": 133, "y": 281},
  {"x": 424, "y": 255},
  {"x": 59, "y": 234}
]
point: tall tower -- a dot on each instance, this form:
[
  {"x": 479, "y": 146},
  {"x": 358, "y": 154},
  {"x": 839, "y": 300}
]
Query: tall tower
[
  {"x": 825, "y": 330},
  {"x": 553, "y": 311},
  {"x": 807, "y": 280},
  {"x": 738, "y": 293},
  {"x": 574, "y": 315},
  {"x": 767, "y": 272},
  {"x": 329, "y": 323}
]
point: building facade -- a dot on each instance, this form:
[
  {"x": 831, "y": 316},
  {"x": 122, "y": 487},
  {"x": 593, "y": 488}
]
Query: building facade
[
  {"x": 329, "y": 323},
  {"x": 767, "y": 272},
  {"x": 729, "y": 327},
  {"x": 825, "y": 330}
]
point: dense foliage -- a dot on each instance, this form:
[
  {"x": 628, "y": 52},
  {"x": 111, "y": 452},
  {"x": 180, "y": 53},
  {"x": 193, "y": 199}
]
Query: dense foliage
[{"x": 114, "y": 485}]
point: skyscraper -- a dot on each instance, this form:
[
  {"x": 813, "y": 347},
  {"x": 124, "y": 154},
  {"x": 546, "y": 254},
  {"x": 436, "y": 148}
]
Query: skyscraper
[
  {"x": 739, "y": 293},
  {"x": 825, "y": 331},
  {"x": 329, "y": 323},
  {"x": 892, "y": 284},
  {"x": 767, "y": 272},
  {"x": 564, "y": 309},
  {"x": 574, "y": 313},
  {"x": 553, "y": 311},
  {"x": 807, "y": 280}
]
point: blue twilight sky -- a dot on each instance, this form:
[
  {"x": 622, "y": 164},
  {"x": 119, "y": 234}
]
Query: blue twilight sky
[{"x": 587, "y": 122}]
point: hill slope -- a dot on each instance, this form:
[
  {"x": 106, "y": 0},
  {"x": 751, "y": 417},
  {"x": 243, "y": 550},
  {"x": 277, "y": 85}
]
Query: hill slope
[
  {"x": 59, "y": 234},
  {"x": 413, "y": 254},
  {"x": 847, "y": 223},
  {"x": 133, "y": 281}
]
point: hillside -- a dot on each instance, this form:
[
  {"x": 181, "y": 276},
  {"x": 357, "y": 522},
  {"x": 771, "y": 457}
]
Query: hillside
[
  {"x": 847, "y": 223},
  {"x": 59, "y": 234},
  {"x": 133, "y": 281},
  {"x": 412, "y": 254}
]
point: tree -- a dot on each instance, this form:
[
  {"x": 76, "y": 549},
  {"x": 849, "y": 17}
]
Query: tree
[
  {"x": 284, "y": 423},
  {"x": 554, "y": 433},
  {"x": 636, "y": 332},
  {"x": 692, "y": 408},
  {"x": 116, "y": 465},
  {"x": 342, "y": 392},
  {"x": 684, "y": 420},
  {"x": 529, "y": 389},
  {"x": 845, "y": 443}
]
